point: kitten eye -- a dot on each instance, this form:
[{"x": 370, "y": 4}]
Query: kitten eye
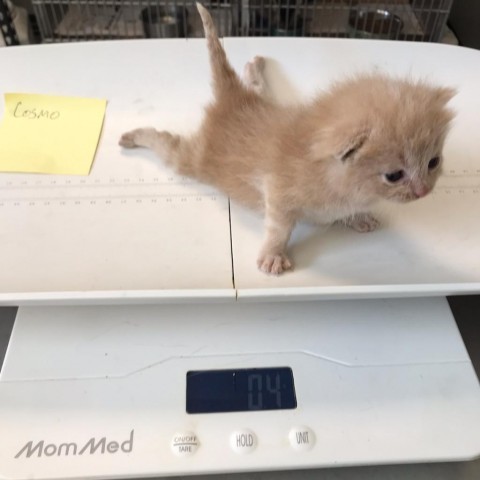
[
  {"x": 394, "y": 177},
  {"x": 433, "y": 163}
]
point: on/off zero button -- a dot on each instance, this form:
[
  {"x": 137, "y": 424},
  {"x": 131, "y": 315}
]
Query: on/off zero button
[{"x": 185, "y": 444}]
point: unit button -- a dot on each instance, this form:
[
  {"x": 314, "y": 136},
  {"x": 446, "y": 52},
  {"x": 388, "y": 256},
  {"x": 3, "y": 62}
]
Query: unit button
[
  {"x": 301, "y": 438},
  {"x": 243, "y": 441},
  {"x": 185, "y": 443}
]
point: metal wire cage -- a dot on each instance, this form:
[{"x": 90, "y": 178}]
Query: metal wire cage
[{"x": 74, "y": 20}]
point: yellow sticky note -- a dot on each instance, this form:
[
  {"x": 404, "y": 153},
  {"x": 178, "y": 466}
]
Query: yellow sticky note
[{"x": 50, "y": 134}]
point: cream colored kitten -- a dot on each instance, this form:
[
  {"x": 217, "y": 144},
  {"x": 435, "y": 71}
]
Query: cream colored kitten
[{"x": 368, "y": 138}]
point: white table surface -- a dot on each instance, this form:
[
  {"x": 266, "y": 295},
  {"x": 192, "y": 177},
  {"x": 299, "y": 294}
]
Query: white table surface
[{"x": 133, "y": 231}]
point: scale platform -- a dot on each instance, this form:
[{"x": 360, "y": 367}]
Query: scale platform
[
  {"x": 132, "y": 231},
  {"x": 133, "y": 283},
  {"x": 139, "y": 391}
]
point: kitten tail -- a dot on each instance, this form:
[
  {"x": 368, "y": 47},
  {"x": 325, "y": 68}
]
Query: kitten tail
[{"x": 224, "y": 77}]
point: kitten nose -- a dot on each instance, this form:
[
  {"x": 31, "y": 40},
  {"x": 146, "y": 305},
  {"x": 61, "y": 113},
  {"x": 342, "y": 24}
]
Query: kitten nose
[{"x": 420, "y": 190}]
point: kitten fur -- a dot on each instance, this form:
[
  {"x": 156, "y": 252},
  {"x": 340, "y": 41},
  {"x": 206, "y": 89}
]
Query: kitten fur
[{"x": 326, "y": 161}]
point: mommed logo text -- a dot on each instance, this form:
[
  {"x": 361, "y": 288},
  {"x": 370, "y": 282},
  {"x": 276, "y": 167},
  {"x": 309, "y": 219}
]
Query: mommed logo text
[{"x": 92, "y": 446}]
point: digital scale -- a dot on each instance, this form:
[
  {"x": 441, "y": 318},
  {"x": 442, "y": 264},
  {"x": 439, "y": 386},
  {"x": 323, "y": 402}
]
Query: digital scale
[
  {"x": 148, "y": 344},
  {"x": 133, "y": 391}
]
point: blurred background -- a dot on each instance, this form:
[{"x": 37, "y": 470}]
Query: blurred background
[{"x": 47, "y": 21}]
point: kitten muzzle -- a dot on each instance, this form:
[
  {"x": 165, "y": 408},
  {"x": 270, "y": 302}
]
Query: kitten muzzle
[{"x": 420, "y": 190}]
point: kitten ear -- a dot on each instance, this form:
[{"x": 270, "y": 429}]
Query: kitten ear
[
  {"x": 445, "y": 94},
  {"x": 351, "y": 145}
]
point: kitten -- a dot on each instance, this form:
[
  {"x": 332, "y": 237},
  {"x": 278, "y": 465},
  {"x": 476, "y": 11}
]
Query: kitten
[{"x": 368, "y": 138}]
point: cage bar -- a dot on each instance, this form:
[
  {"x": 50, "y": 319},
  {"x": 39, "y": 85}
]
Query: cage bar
[{"x": 74, "y": 20}]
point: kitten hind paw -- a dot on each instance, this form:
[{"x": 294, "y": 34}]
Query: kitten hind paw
[
  {"x": 274, "y": 264},
  {"x": 127, "y": 140},
  {"x": 253, "y": 75},
  {"x": 258, "y": 62},
  {"x": 140, "y": 137}
]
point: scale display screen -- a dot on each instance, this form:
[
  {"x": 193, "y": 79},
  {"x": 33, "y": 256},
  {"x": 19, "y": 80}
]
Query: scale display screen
[{"x": 240, "y": 390}]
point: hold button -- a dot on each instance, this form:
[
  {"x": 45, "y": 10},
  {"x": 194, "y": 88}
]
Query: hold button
[{"x": 243, "y": 441}]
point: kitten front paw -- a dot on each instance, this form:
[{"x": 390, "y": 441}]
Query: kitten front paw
[
  {"x": 362, "y": 223},
  {"x": 274, "y": 264},
  {"x": 127, "y": 140}
]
